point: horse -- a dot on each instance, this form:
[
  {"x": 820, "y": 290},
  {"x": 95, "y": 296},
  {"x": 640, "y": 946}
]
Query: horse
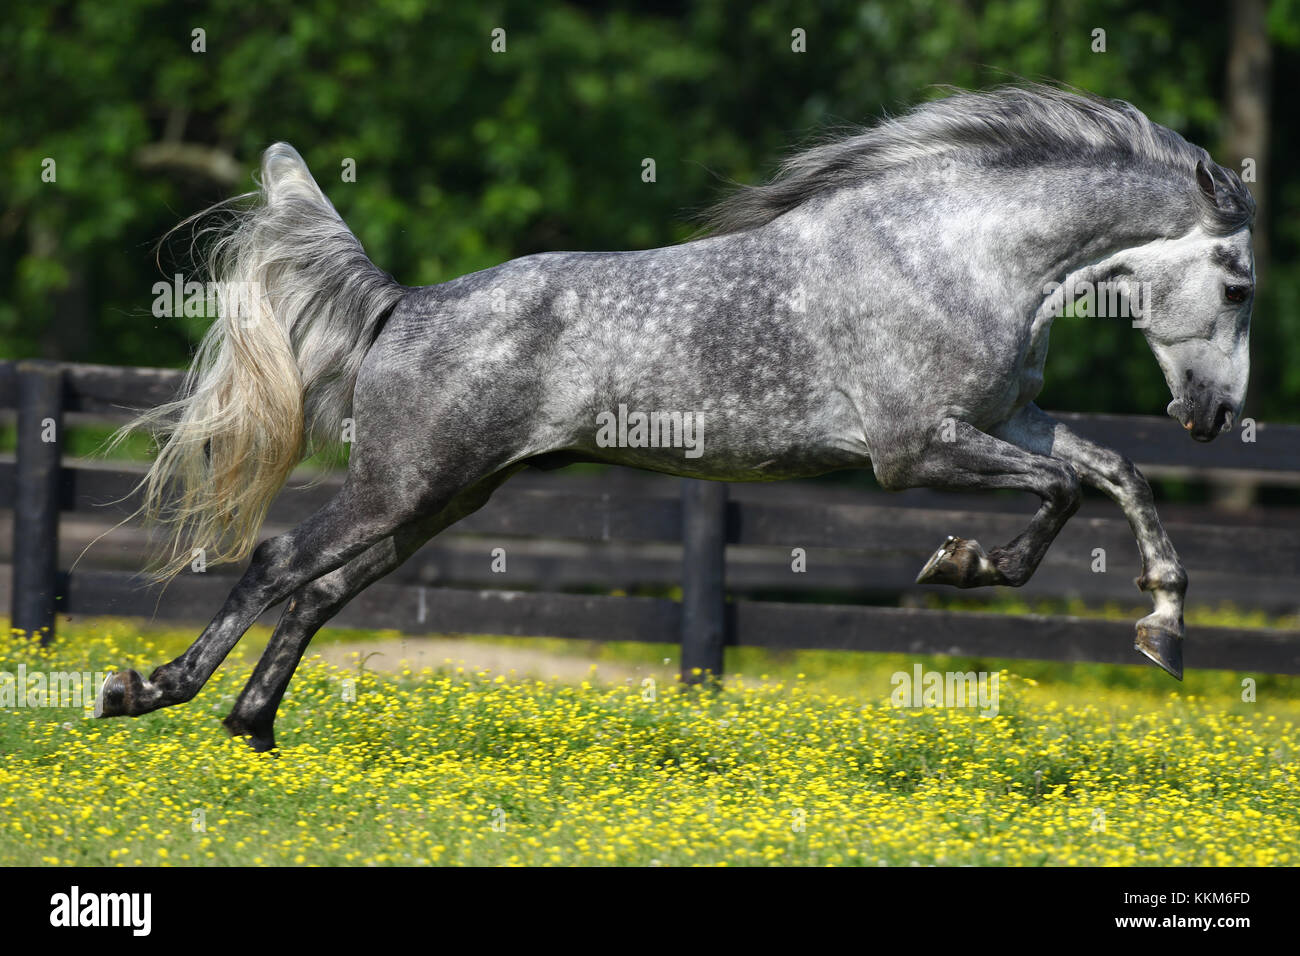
[{"x": 883, "y": 301}]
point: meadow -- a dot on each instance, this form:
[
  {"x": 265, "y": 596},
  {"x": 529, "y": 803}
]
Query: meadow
[{"x": 800, "y": 759}]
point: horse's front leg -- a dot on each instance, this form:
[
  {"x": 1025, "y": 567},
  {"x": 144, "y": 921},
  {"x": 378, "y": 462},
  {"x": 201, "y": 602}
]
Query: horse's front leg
[
  {"x": 967, "y": 458},
  {"x": 1160, "y": 634}
]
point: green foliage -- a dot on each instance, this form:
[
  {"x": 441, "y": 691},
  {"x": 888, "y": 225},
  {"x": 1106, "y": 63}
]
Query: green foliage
[{"x": 466, "y": 157}]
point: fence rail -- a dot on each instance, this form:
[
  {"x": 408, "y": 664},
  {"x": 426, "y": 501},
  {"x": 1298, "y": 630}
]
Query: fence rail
[{"x": 628, "y": 529}]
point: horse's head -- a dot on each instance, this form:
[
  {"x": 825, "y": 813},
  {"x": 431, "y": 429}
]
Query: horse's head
[{"x": 1200, "y": 290}]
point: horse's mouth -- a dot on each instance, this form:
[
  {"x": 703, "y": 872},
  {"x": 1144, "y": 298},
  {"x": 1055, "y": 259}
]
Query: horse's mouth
[{"x": 1205, "y": 421}]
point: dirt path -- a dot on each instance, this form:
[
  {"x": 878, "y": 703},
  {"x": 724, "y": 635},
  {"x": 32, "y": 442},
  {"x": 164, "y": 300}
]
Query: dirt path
[{"x": 419, "y": 652}]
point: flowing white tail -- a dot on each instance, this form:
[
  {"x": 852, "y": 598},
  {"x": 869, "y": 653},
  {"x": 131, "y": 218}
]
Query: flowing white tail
[{"x": 299, "y": 305}]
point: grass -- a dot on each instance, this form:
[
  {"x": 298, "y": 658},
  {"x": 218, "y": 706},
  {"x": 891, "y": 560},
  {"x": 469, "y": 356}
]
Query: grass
[{"x": 805, "y": 761}]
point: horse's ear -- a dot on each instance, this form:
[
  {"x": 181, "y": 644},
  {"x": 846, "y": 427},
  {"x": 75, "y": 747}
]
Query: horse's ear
[{"x": 1205, "y": 181}]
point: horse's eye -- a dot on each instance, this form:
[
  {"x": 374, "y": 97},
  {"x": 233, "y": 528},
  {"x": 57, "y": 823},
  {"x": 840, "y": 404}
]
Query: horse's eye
[{"x": 1236, "y": 293}]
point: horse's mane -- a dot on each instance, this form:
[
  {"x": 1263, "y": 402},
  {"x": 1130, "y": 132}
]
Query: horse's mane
[{"x": 1026, "y": 124}]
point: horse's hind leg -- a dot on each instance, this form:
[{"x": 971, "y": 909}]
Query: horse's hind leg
[
  {"x": 348, "y": 524},
  {"x": 977, "y": 460},
  {"x": 253, "y": 716},
  {"x": 373, "y": 503}
]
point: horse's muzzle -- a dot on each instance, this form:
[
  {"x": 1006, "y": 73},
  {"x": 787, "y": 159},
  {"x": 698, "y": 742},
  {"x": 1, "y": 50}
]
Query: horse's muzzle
[{"x": 1205, "y": 419}]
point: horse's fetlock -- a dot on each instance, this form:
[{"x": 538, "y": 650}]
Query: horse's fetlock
[
  {"x": 1169, "y": 578},
  {"x": 172, "y": 686}
]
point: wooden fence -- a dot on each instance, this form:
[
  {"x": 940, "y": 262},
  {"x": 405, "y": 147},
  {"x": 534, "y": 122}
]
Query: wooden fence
[{"x": 729, "y": 547}]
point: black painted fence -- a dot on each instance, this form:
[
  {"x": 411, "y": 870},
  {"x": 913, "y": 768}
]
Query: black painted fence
[{"x": 626, "y": 529}]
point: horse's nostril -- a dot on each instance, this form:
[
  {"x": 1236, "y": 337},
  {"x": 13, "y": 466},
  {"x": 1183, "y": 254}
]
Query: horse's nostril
[{"x": 1222, "y": 417}]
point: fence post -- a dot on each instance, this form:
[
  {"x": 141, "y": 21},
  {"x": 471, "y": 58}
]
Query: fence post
[
  {"x": 36, "y": 497},
  {"x": 704, "y": 563}
]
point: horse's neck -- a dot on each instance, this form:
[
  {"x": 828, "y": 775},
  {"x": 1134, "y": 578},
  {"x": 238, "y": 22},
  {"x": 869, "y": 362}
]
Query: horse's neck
[{"x": 1081, "y": 217}]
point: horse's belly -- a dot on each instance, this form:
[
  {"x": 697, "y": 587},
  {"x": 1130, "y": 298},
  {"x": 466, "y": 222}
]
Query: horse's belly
[{"x": 728, "y": 442}]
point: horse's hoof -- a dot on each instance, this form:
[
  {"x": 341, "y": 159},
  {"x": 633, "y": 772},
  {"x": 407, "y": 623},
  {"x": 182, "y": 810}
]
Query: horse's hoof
[
  {"x": 1161, "y": 643},
  {"x": 120, "y": 696},
  {"x": 260, "y": 744},
  {"x": 261, "y": 741},
  {"x": 961, "y": 563}
]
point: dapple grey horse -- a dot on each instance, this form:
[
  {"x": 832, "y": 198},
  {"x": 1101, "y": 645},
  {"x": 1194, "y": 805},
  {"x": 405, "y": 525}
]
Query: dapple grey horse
[{"x": 883, "y": 302}]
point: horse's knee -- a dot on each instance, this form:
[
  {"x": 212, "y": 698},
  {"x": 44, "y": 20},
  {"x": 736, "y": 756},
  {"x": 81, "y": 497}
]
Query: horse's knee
[
  {"x": 1064, "y": 492},
  {"x": 1120, "y": 470}
]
